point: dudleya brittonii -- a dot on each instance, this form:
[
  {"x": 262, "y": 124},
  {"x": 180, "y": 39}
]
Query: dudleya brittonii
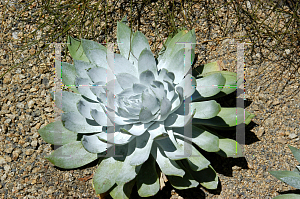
[{"x": 145, "y": 106}]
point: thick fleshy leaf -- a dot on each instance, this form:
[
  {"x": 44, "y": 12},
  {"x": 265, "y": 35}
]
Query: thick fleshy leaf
[
  {"x": 288, "y": 196},
  {"x": 142, "y": 150},
  {"x": 99, "y": 116},
  {"x": 227, "y": 117},
  {"x": 128, "y": 172},
  {"x": 159, "y": 93},
  {"x": 177, "y": 103},
  {"x": 138, "y": 88},
  {"x": 74, "y": 121},
  {"x": 82, "y": 68},
  {"x": 98, "y": 74},
  {"x": 229, "y": 148},
  {"x": 75, "y": 49},
  {"x": 206, "y": 109},
  {"x": 196, "y": 161},
  {"x": 175, "y": 120},
  {"x": 84, "y": 108},
  {"x": 147, "y": 62},
  {"x": 95, "y": 52},
  {"x": 84, "y": 89},
  {"x": 147, "y": 77},
  {"x": 137, "y": 129},
  {"x": 296, "y": 152},
  {"x": 209, "y": 67},
  {"x": 189, "y": 84},
  {"x": 68, "y": 74},
  {"x": 157, "y": 129},
  {"x": 71, "y": 155},
  {"x": 93, "y": 145},
  {"x": 208, "y": 177},
  {"x": 122, "y": 191},
  {"x": 150, "y": 102},
  {"x": 125, "y": 114},
  {"x": 111, "y": 168},
  {"x": 55, "y": 133},
  {"x": 210, "y": 85},
  {"x": 124, "y": 38},
  {"x": 289, "y": 177},
  {"x": 174, "y": 47},
  {"x": 69, "y": 101},
  {"x": 167, "y": 166},
  {"x": 146, "y": 116},
  {"x": 147, "y": 180},
  {"x": 171, "y": 148},
  {"x": 126, "y": 80},
  {"x": 185, "y": 182},
  {"x": 231, "y": 83},
  {"x": 165, "y": 109},
  {"x": 204, "y": 139},
  {"x": 122, "y": 65}
]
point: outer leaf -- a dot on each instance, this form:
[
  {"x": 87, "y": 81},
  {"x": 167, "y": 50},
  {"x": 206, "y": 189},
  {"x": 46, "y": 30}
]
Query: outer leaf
[
  {"x": 84, "y": 90},
  {"x": 93, "y": 145},
  {"x": 209, "y": 67},
  {"x": 204, "y": 139},
  {"x": 68, "y": 75},
  {"x": 147, "y": 179},
  {"x": 95, "y": 52},
  {"x": 207, "y": 177},
  {"x": 288, "y": 196},
  {"x": 142, "y": 149},
  {"x": 147, "y": 62},
  {"x": 128, "y": 172},
  {"x": 111, "y": 168},
  {"x": 71, "y": 155},
  {"x": 139, "y": 43},
  {"x": 123, "y": 37},
  {"x": 167, "y": 166},
  {"x": 187, "y": 181},
  {"x": 289, "y": 177},
  {"x": 175, "y": 120},
  {"x": 122, "y": 191},
  {"x": 227, "y": 117},
  {"x": 206, "y": 109},
  {"x": 75, "y": 49},
  {"x": 55, "y": 133},
  {"x": 82, "y": 68},
  {"x": 210, "y": 85},
  {"x": 196, "y": 161},
  {"x": 74, "y": 121},
  {"x": 191, "y": 84},
  {"x": 229, "y": 148},
  {"x": 296, "y": 152},
  {"x": 122, "y": 65}
]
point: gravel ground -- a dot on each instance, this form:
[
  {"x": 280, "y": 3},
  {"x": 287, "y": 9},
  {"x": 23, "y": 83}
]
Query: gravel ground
[{"x": 26, "y": 106}]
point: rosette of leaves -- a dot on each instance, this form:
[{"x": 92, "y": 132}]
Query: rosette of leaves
[
  {"x": 292, "y": 178},
  {"x": 144, "y": 104}
]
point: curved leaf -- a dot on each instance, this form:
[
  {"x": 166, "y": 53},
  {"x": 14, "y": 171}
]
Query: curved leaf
[
  {"x": 106, "y": 174},
  {"x": 123, "y": 38},
  {"x": 122, "y": 191},
  {"x": 71, "y": 155},
  {"x": 227, "y": 117},
  {"x": 95, "y": 52},
  {"x": 74, "y": 121},
  {"x": 204, "y": 139},
  {"x": 167, "y": 166},
  {"x": 147, "y": 62},
  {"x": 206, "y": 109},
  {"x": 210, "y": 85},
  {"x": 229, "y": 148},
  {"x": 296, "y": 152},
  {"x": 289, "y": 177},
  {"x": 288, "y": 196},
  {"x": 75, "y": 49},
  {"x": 142, "y": 149},
  {"x": 68, "y": 74},
  {"x": 55, "y": 133},
  {"x": 147, "y": 180},
  {"x": 93, "y": 145}
]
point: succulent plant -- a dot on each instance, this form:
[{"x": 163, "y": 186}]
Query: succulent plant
[
  {"x": 142, "y": 115},
  {"x": 292, "y": 178}
]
